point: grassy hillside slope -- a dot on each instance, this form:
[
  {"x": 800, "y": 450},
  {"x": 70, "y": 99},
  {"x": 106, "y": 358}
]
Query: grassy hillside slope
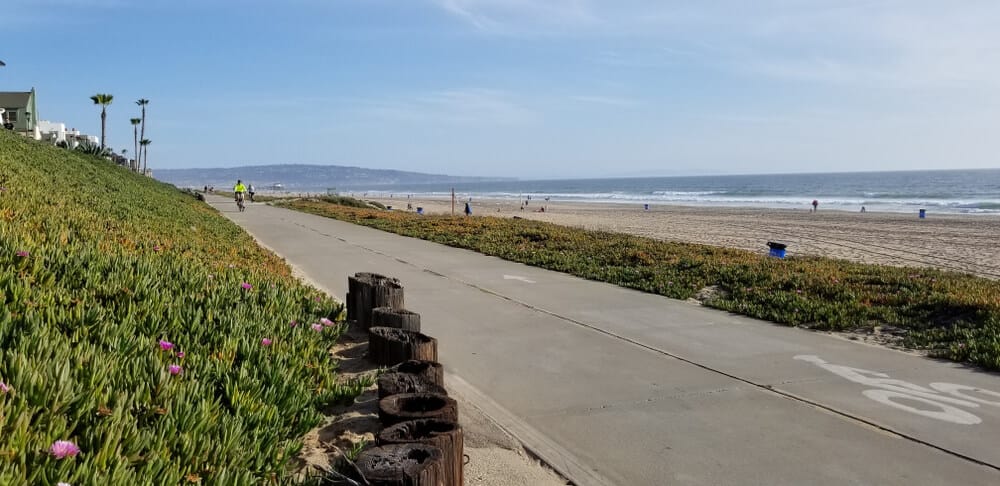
[{"x": 148, "y": 331}]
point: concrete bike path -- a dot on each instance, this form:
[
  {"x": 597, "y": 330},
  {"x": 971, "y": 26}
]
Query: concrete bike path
[{"x": 620, "y": 387}]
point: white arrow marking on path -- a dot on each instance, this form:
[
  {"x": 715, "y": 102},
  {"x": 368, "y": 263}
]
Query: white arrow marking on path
[{"x": 517, "y": 277}]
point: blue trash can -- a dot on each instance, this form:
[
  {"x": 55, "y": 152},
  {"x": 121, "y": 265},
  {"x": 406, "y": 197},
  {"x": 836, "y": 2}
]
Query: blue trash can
[
  {"x": 420, "y": 210},
  {"x": 777, "y": 249},
  {"x": 923, "y": 213},
  {"x": 646, "y": 206}
]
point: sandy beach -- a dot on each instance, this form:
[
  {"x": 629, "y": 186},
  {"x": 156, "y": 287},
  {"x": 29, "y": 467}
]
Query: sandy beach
[{"x": 964, "y": 243}]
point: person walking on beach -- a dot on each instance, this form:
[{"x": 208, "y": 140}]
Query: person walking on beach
[
  {"x": 468, "y": 209},
  {"x": 815, "y": 205}
]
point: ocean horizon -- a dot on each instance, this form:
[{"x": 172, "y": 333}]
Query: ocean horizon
[
  {"x": 975, "y": 191},
  {"x": 966, "y": 191}
]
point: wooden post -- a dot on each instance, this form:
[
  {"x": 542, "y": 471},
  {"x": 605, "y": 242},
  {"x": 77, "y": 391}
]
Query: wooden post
[
  {"x": 394, "y": 409},
  {"x": 430, "y": 370},
  {"x": 402, "y": 465},
  {"x": 396, "y": 383},
  {"x": 367, "y": 291},
  {"x": 388, "y": 346},
  {"x": 452, "y": 201},
  {"x": 397, "y": 318},
  {"x": 442, "y": 434}
]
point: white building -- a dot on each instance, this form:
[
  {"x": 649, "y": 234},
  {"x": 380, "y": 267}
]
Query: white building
[
  {"x": 52, "y": 132},
  {"x": 74, "y": 138}
]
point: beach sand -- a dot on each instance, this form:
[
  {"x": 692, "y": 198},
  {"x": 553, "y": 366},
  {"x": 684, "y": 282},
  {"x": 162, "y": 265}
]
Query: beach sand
[{"x": 964, "y": 243}]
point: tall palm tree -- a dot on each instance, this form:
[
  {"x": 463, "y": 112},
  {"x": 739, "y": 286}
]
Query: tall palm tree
[
  {"x": 135, "y": 135},
  {"x": 104, "y": 100},
  {"x": 144, "y": 143},
  {"x": 142, "y": 102}
]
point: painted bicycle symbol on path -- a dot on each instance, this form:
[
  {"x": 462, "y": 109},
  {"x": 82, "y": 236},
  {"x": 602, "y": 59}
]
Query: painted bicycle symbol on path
[{"x": 942, "y": 399}]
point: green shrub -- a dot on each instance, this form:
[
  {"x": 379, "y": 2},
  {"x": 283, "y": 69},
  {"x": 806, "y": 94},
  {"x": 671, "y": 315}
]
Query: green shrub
[
  {"x": 954, "y": 315},
  {"x": 351, "y": 202},
  {"x": 98, "y": 266}
]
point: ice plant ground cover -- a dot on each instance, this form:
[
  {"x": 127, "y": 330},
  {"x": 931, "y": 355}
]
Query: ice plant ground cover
[
  {"x": 130, "y": 350},
  {"x": 953, "y": 315}
]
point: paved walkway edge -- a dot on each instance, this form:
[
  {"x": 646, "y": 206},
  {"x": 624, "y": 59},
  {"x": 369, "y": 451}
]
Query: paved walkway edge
[{"x": 546, "y": 450}]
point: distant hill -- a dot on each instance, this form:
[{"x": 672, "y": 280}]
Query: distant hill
[{"x": 300, "y": 177}]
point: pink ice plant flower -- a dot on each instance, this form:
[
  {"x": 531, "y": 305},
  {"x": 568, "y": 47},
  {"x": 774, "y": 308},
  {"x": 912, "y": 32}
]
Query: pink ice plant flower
[
  {"x": 22, "y": 254},
  {"x": 166, "y": 345},
  {"x": 317, "y": 327},
  {"x": 5, "y": 388},
  {"x": 180, "y": 354},
  {"x": 63, "y": 484},
  {"x": 157, "y": 248},
  {"x": 293, "y": 323},
  {"x": 246, "y": 286},
  {"x": 325, "y": 321},
  {"x": 62, "y": 449},
  {"x": 175, "y": 369},
  {"x": 265, "y": 342}
]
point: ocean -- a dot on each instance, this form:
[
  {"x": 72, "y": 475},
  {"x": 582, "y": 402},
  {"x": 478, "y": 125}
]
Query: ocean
[{"x": 945, "y": 191}]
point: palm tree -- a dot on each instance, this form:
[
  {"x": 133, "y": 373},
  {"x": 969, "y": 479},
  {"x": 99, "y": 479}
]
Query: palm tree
[
  {"x": 135, "y": 135},
  {"x": 142, "y": 102},
  {"x": 104, "y": 100},
  {"x": 144, "y": 143}
]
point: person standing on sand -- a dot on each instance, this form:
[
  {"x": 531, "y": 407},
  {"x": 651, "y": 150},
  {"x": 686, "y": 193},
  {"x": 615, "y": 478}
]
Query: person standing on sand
[{"x": 815, "y": 205}]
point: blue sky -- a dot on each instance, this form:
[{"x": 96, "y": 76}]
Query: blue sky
[{"x": 524, "y": 88}]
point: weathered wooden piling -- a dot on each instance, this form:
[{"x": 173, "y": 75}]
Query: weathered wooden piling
[
  {"x": 397, "y": 318},
  {"x": 442, "y": 434},
  {"x": 366, "y": 291},
  {"x": 411, "y": 464},
  {"x": 388, "y": 346},
  {"x": 431, "y": 370},
  {"x": 413, "y": 406},
  {"x": 396, "y": 383}
]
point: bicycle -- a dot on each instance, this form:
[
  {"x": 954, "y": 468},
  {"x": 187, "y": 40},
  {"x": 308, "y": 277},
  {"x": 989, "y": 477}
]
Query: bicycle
[{"x": 239, "y": 202}]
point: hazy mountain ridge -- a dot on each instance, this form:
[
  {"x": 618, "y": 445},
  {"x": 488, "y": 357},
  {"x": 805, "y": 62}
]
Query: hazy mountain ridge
[{"x": 298, "y": 176}]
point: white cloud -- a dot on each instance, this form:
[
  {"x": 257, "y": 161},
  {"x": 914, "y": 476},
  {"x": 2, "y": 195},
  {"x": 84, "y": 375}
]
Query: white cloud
[
  {"x": 457, "y": 106},
  {"x": 885, "y": 42},
  {"x": 520, "y": 16},
  {"x": 605, "y": 100}
]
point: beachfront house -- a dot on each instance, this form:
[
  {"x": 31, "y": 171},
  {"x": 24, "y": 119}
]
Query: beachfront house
[
  {"x": 19, "y": 112},
  {"x": 74, "y": 138},
  {"x": 52, "y": 132}
]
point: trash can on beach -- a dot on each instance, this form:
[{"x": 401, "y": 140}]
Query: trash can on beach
[
  {"x": 923, "y": 213},
  {"x": 420, "y": 210},
  {"x": 646, "y": 207},
  {"x": 777, "y": 249}
]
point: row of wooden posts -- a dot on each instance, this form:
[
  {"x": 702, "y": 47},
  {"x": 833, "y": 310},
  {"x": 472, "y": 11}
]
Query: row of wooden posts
[{"x": 421, "y": 443}]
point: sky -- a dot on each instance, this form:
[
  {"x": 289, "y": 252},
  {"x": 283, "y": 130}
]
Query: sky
[{"x": 524, "y": 88}]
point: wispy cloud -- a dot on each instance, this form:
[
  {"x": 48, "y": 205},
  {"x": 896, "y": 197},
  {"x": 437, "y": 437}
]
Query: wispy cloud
[
  {"x": 458, "y": 106},
  {"x": 605, "y": 100},
  {"x": 520, "y": 16},
  {"x": 885, "y": 42}
]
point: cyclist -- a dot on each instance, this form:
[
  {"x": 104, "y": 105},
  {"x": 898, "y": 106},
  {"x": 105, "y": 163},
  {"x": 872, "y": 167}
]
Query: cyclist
[{"x": 240, "y": 190}]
